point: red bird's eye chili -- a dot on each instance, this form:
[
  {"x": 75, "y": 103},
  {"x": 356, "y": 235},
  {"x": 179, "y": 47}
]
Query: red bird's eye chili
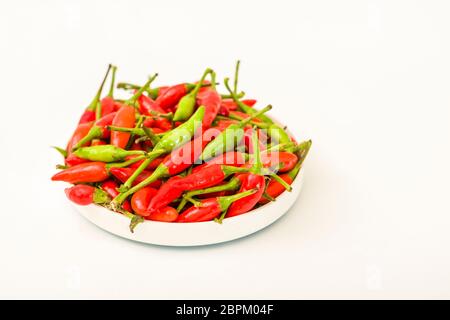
[
  {"x": 231, "y": 158},
  {"x": 83, "y": 195},
  {"x": 141, "y": 199},
  {"x": 90, "y": 112},
  {"x": 210, "y": 209},
  {"x": 283, "y": 161},
  {"x": 147, "y": 106},
  {"x": 73, "y": 160},
  {"x": 211, "y": 100},
  {"x": 167, "y": 214},
  {"x": 168, "y": 98},
  {"x": 80, "y": 132},
  {"x": 230, "y": 105},
  {"x": 84, "y": 172}
]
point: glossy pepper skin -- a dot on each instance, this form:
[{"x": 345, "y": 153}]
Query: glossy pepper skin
[
  {"x": 211, "y": 99},
  {"x": 123, "y": 174},
  {"x": 147, "y": 105},
  {"x": 141, "y": 199},
  {"x": 168, "y": 192},
  {"x": 73, "y": 160},
  {"x": 283, "y": 161},
  {"x": 83, "y": 195},
  {"x": 110, "y": 187},
  {"x": 98, "y": 131},
  {"x": 108, "y": 105},
  {"x": 230, "y": 105},
  {"x": 171, "y": 96},
  {"x": 85, "y": 172},
  {"x": 125, "y": 117},
  {"x": 167, "y": 214},
  {"x": 231, "y": 158},
  {"x": 249, "y": 181}
]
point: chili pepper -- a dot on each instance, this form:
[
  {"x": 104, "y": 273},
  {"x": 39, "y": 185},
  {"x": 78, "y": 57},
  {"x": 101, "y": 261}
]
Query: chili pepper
[
  {"x": 123, "y": 174},
  {"x": 177, "y": 137},
  {"x": 89, "y": 114},
  {"x": 108, "y": 105},
  {"x": 223, "y": 124},
  {"x": 61, "y": 151},
  {"x": 141, "y": 199},
  {"x": 163, "y": 124},
  {"x": 278, "y": 135},
  {"x": 98, "y": 130},
  {"x": 211, "y": 208},
  {"x": 208, "y": 177},
  {"x": 186, "y": 104},
  {"x": 81, "y": 131},
  {"x": 84, "y": 172},
  {"x": 110, "y": 187},
  {"x": 167, "y": 214},
  {"x": 147, "y": 105},
  {"x": 229, "y": 138},
  {"x": 73, "y": 160},
  {"x": 211, "y": 100},
  {"x": 231, "y": 158},
  {"x": 170, "y": 97},
  {"x": 247, "y": 140},
  {"x": 125, "y": 117},
  {"x": 231, "y": 185},
  {"x": 249, "y": 181},
  {"x": 83, "y": 195},
  {"x": 274, "y": 188},
  {"x": 152, "y": 92},
  {"x": 284, "y": 161},
  {"x": 152, "y": 166},
  {"x": 105, "y": 153}
]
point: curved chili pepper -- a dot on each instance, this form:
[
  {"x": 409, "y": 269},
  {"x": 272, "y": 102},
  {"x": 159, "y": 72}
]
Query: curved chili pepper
[
  {"x": 186, "y": 104},
  {"x": 170, "y": 141},
  {"x": 83, "y": 195},
  {"x": 110, "y": 187},
  {"x": 147, "y": 105},
  {"x": 125, "y": 117},
  {"x": 80, "y": 132},
  {"x": 90, "y": 112},
  {"x": 208, "y": 177},
  {"x": 225, "y": 141},
  {"x": 123, "y": 174},
  {"x": 211, "y": 100},
  {"x": 172, "y": 95},
  {"x": 105, "y": 153},
  {"x": 141, "y": 199},
  {"x": 97, "y": 131},
  {"x": 108, "y": 104},
  {"x": 167, "y": 214},
  {"x": 84, "y": 172},
  {"x": 211, "y": 208}
]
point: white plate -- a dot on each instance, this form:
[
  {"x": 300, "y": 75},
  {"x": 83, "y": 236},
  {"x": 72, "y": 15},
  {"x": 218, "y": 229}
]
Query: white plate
[{"x": 198, "y": 233}]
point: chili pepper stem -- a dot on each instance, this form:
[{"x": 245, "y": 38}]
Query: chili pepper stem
[
  {"x": 236, "y": 77},
  {"x": 93, "y": 105},
  {"x": 281, "y": 181},
  {"x": 113, "y": 80},
  {"x": 191, "y": 200},
  {"x": 240, "y": 95},
  {"x": 132, "y": 101},
  {"x": 268, "y": 197},
  {"x": 62, "y": 151},
  {"x": 94, "y": 133},
  {"x": 126, "y": 163},
  {"x": 150, "y": 157},
  {"x": 151, "y": 135},
  {"x": 225, "y": 202},
  {"x": 131, "y": 139}
]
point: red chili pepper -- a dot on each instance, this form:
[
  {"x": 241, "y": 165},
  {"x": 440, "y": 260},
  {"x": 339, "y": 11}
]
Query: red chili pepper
[
  {"x": 141, "y": 199},
  {"x": 80, "y": 132},
  {"x": 168, "y": 192},
  {"x": 211, "y": 100},
  {"x": 97, "y": 131},
  {"x": 84, "y": 172},
  {"x": 73, "y": 160},
  {"x": 170, "y": 97},
  {"x": 243, "y": 115},
  {"x": 223, "y": 124},
  {"x": 123, "y": 174},
  {"x": 110, "y": 187},
  {"x": 125, "y": 117},
  {"x": 147, "y": 105},
  {"x": 247, "y": 140},
  {"x": 231, "y": 158},
  {"x": 108, "y": 105},
  {"x": 250, "y": 181},
  {"x": 285, "y": 160},
  {"x": 230, "y": 105},
  {"x": 98, "y": 142},
  {"x": 167, "y": 214},
  {"x": 83, "y": 195},
  {"x": 211, "y": 208},
  {"x": 152, "y": 166},
  {"x": 163, "y": 124}
]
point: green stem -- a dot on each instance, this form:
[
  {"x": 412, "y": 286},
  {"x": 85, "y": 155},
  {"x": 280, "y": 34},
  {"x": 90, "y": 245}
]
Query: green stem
[
  {"x": 225, "y": 202},
  {"x": 93, "y": 105},
  {"x": 194, "y": 202},
  {"x": 133, "y": 99},
  {"x": 281, "y": 181},
  {"x": 240, "y": 95},
  {"x": 236, "y": 76},
  {"x": 151, "y": 135},
  {"x": 200, "y": 83},
  {"x": 113, "y": 80},
  {"x": 131, "y": 139},
  {"x": 126, "y": 163},
  {"x": 261, "y": 125},
  {"x": 62, "y": 151},
  {"x": 135, "y": 131},
  {"x": 256, "y": 115}
]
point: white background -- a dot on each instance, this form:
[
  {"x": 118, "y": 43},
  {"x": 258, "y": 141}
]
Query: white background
[{"x": 367, "y": 81}]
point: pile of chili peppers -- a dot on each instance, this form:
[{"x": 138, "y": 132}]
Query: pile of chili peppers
[{"x": 180, "y": 153}]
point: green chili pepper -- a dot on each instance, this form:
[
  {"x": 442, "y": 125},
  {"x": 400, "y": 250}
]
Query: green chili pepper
[
  {"x": 168, "y": 142},
  {"x": 105, "y": 153},
  {"x": 186, "y": 105},
  {"x": 229, "y": 138},
  {"x": 279, "y": 136}
]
